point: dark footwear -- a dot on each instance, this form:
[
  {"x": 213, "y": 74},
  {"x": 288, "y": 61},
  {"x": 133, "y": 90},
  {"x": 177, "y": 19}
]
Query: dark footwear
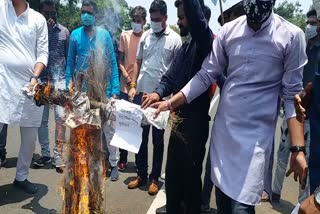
[
  {"x": 26, "y": 186},
  {"x": 162, "y": 210},
  {"x": 42, "y": 161},
  {"x": 138, "y": 182},
  {"x": 275, "y": 197},
  {"x": 114, "y": 176},
  {"x": 3, "y": 159},
  {"x": 153, "y": 187},
  {"x": 59, "y": 169},
  {"x": 205, "y": 209},
  {"x": 122, "y": 166}
]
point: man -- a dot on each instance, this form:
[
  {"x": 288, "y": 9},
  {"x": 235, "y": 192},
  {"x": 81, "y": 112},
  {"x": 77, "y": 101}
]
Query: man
[
  {"x": 156, "y": 51},
  {"x": 187, "y": 142},
  {"x": 88, "y": 42},
  {"x": 23, "y": 56},
  {"x": 260, "y": 61},
  {"x": 55, "y": 73},
  {"x": 129, "y": 41}
]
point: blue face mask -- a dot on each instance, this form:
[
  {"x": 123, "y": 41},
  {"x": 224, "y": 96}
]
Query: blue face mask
[{"x": 87, "y": 19}]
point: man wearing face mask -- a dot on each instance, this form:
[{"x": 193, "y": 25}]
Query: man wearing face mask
[
  {"x": 55, "y": 72},
  {"x": 156, "y": 51},
  {"x": 84, "y": 41},
  {"x": 129, "y": 41},
  {"x": 265, "y": 55}
]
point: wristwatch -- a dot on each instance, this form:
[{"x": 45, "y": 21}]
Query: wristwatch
[
  {"x": 317, "y": 195},
  {"x": 34, "y": 77},
  {"x": 294, "y": 149}
]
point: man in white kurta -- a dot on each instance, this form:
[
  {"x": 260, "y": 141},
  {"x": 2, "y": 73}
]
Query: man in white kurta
[{"x": 23, "y": 56}]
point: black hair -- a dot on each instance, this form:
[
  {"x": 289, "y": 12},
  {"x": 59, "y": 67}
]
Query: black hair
[
  {"x": 158, "y": 5},
  {"x": 54, "y": 3},
  {"x": 177, "y": 3},
  {"x": 311, "y": 13},
  {"x": 91, "y": 3},
  {"x": 207, "y": 12},
  {"x": 141, "y": 10}
]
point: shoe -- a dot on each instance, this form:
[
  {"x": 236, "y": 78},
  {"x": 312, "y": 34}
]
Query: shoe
[
  {"x": 26, "y": 186},
  {"x": 137, "y": 183},
  {"x": 122, "y": 166},
  {"x": 114, "y": 176},
  {"x": 42, "y": 161},
  {"x": 275, "y": 197},
  {"x": 3, "y": 159},
  {"x": 205, "y": 208},
  {"x": 153, "y": 187},
  {"x": 161, "y": 210},
  {"x": 163, "y": 176}
]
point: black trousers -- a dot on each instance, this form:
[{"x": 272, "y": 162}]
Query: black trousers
[{"x": 186, "y": 152}]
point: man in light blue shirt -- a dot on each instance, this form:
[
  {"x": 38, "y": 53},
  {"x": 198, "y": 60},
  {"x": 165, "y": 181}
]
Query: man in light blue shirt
[{"x": 90, "y": 44}]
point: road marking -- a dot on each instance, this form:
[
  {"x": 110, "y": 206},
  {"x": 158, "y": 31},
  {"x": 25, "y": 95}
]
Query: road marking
[
  {"x": 159, "y": 201},
  {"x": 213, "y": 102}
]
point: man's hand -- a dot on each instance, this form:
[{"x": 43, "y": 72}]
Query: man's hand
[
  {"x": 128, "y": 79},
  {"x": 148, "y": 99},
  {"x": 299, "y": 168},
  {"x": 309, "y": 206},
  {"x": 302, "y": 102},
  {"x": 132, "y": 93},
  {"x": 160, "y": 106}
]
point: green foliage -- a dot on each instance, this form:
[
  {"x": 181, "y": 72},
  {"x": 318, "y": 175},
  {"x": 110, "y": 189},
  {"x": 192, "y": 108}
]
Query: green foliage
[
  {"x": 175, "y": 28},
  {"x": 292, "y": 12}
]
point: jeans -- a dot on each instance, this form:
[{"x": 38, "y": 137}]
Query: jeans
[
  {"x": 3, "y": 137},
  {"x": 283, "y": 159},
  {"x": 186, "y": 152},
  {"x": 207, "y": 184},
  {"x": 142, "y": 156},
  {"x": 226, "y": 205},
  {"x": 43, "y": 133},
  {"x": 314, "y": 117},
  {"x": 108, "y": 130},
  {"x": 137, "y": 100}
]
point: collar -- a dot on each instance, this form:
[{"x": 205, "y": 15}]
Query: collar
[{"x": 24, "y": 12}]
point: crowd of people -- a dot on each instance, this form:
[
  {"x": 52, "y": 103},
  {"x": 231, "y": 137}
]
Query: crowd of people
[{"x": 259, "y": 61}]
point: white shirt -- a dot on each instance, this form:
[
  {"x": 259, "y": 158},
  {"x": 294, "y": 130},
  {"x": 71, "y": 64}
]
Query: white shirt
[
  {"x": 157, "y": 54},
  {"x": 261, "y": 67},
  {"x": 23, "y": 43}
]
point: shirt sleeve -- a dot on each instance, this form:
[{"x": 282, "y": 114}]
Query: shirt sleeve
[
  {"x": 212, "y": 67},
  {"x": 42, "y": 42},
  {"x": 114, "y": 76},
  {"x": 294, "y": 61},
  {"x": 71, "y": 58},
  {"x": 121, "y": 45},
  {"x": 67, "y": 41}
]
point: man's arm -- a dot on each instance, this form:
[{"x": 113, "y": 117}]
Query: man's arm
[
  {"x": 295, "y": 60},
  {"x": 42, "y": 52},
  {"x": 199, "y": 27},
  {"x": 114, "y": 77},
  {"x": 71, "y": 58}
]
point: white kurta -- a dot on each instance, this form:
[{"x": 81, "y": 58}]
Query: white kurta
[{"x": 23, "y": 43}]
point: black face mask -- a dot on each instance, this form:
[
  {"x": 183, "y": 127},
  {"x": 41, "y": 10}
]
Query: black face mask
[{"x": 258, "y": 11}]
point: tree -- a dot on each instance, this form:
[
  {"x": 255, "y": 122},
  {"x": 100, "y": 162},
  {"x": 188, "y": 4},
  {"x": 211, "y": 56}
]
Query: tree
[
  {"x": 175, "y": 28},
  {"x": 292, "y": 12}
]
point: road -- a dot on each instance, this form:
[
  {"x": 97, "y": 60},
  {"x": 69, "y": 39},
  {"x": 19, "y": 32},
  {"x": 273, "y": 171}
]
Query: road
[{"x": 118, "y": 199}]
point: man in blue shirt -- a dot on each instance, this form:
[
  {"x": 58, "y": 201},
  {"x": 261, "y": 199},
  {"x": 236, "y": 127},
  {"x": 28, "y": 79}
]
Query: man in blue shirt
[{"x": 91, "y": 44}]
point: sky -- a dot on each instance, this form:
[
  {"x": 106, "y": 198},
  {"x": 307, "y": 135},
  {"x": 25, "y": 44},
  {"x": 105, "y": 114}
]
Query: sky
[{"x": 215, "y": 10}]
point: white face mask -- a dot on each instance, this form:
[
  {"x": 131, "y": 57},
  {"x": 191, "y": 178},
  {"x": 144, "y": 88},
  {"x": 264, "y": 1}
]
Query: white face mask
[
  {"x": 311, "y": 32},
  {"x": 137, "y": 28},
  {"x": 156, "y": 27}
]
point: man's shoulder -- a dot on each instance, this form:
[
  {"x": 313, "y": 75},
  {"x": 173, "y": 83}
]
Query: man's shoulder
[
  {"x": 63, "y": 28},
  {"x": 76, "y": 31},
  {"x": 234, "y": 24},
  {"x": 36, "y": 16},
  {"x": 127, "y": 33},
  {"x": 173, "y": 34},
  {"x": 285, "y": 26}
]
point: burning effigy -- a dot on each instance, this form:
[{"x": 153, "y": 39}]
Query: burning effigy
[{"x": 87, "y": 111}]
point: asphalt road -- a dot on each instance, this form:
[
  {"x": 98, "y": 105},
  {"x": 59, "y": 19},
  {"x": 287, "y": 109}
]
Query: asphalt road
[{"x": 118, "y": 199}]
